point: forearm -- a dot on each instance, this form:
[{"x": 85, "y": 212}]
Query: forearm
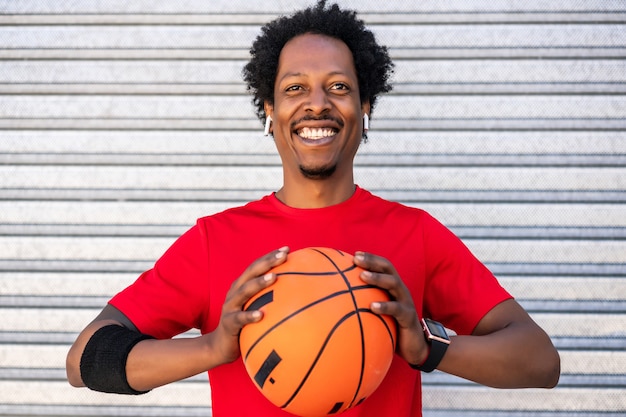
[
  {"x": 150, "y": 363},
  {"x": 518, "y": 356},
  {"x": 153, "y": 363}
]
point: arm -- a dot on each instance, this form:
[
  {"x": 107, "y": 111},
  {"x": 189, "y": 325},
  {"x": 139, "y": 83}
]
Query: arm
[
  {"x": 507, "y": 349},
  {"x": 152, "y": 363}
]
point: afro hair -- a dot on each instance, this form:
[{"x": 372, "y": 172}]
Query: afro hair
[{"x": 371, "y": 60}]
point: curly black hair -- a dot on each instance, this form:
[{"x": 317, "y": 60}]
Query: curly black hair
[{"x": 371, "y": 60}]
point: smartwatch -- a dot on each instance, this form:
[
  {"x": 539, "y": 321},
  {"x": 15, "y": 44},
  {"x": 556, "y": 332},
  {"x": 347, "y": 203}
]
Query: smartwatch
[{"x": 438, "y": 341}]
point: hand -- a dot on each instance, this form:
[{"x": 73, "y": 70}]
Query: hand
[
  {"x": 411, "y": 344},
  {"x": 254, "y": 279}
]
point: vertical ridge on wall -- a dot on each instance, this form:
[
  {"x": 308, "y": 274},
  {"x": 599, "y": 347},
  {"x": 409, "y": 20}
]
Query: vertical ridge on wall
[{"x": 122, "y": 122}]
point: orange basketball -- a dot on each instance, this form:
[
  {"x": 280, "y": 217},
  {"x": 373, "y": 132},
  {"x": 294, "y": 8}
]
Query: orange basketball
[{"x": 319, "y": 349}]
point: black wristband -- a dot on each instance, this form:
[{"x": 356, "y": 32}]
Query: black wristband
[
  {"x": 437, "y": 349},
  {"x": 438, "y": 340},
  {"x": 103, "y": 363}
]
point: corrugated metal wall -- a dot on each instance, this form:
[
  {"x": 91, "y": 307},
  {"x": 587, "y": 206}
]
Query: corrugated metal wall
[{"x": 122, "y": 122}]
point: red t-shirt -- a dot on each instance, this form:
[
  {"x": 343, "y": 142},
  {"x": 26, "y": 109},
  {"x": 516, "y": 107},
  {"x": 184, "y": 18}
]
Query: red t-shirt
[{"x": 188, "y": 284}]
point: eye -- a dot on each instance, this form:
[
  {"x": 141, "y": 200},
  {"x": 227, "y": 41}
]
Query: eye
[
  {"x": 293, "y": 88},
  {"x": 339, "y": 86}
]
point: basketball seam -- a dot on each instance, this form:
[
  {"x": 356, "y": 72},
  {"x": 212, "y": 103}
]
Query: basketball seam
[
  {"x": 321, "y": 351},
  {"x": 356, "y": 310},
  {"x": 300, "y": 310}
]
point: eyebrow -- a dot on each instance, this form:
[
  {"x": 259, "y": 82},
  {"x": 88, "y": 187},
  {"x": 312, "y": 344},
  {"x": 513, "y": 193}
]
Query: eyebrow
[{"x": 299, "y": 74}]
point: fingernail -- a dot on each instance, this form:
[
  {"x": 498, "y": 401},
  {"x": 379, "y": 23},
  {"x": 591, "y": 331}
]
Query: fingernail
[
  {"x": 366, "y": 274},
  {"x": 375, "y": 305},
  {"x": 359, "y": 256},
  {"x": 282, "y": 252},
  {"x": 268, "y": 277}
]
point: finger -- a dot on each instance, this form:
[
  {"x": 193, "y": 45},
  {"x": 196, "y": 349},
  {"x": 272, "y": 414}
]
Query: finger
[
  {"x": 239, "y": 296},
  {"x": 392, "y": 283},
  {"x": 267, "y": 262},
  {"x": 405, "y": 315},
  {"x": 373, "y": 262},
  {"x": 233, "y": 323},
  {"x": 242, "y": 318},
  {"x": 390, "y": 308},
  {"x": 260, "y": 266}
]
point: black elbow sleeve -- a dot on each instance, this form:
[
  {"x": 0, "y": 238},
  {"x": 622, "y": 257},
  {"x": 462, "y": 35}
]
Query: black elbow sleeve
[{"x": 103, "y": 363}]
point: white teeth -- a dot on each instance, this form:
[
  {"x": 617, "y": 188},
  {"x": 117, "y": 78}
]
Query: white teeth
[{"x": 319, "y": 133}]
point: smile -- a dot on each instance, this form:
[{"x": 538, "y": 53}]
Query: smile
[{"x": 316, "y": 133}]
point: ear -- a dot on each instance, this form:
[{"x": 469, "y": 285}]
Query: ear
[
  {"x": 268, "y": 108},
  {"x": 365, "y": 111},
  {"x": 268, "y": 119},
  {"x": 366, "y": 108}
]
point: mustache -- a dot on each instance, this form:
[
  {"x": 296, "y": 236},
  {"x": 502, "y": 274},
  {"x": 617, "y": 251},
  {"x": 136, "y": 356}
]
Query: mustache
[{"x": 310, "y": 117}]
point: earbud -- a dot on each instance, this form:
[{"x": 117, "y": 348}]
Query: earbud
[{"x": 268, "y": 123}]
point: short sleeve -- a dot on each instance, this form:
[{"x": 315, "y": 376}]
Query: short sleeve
[
  {"x": 459, "y": 289},
  {"x": 172, "y": 297}
]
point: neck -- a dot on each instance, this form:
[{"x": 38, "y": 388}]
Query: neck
[{"x": 315, "y": 194}]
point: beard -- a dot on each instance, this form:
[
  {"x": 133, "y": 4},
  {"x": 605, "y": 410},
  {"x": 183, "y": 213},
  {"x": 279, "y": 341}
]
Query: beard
[{"x": 319, "y": 173}]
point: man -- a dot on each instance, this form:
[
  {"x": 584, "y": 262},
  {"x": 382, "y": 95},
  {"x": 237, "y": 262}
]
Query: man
[{"x": 315, "y": 77}]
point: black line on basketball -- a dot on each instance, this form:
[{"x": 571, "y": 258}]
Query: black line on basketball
[
  {"x": 300, "y": 310},
  {"x": 266, "y": 298},
  {"x": 358, "y": 316},
  {"x": 393, "y": 345},
  {"x": 267, "y": 367},
  {"x": 318, "y": 356},
  {"x": 317, "y": 273},
  {"x": 336, "y": 408}
]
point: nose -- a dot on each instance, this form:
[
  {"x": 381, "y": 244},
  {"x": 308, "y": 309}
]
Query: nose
[{"x": 318, "y": 102}]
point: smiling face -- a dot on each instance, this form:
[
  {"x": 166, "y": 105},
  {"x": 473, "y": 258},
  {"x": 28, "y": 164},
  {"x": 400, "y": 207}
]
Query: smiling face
[{"x": 317, "y": 115}]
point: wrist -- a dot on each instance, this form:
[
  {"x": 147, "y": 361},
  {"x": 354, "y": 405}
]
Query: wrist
[
  {"x": 437, "y": 341},
  {"x": 416, "y": 364},
  {"x": 215, "y": 352},
  {"x": 423, "y": 358}
]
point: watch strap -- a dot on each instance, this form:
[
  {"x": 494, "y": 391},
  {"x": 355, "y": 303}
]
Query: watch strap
[
  {"x": 435, "y": 355},
  {"x": 437, "y": 340}
]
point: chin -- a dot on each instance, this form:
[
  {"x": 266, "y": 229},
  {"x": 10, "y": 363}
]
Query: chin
[{"x": 318, "y": 173}]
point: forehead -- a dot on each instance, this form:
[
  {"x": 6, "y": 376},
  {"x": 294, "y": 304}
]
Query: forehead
[{"x": 315, "y": 53}]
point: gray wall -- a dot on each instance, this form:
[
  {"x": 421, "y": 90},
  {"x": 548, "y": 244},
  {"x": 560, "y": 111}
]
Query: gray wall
[{"x": 122, "y": 122}]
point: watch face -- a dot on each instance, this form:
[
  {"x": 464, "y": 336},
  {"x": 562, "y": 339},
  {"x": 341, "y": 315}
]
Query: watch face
[{"x": 436, "y": 329}]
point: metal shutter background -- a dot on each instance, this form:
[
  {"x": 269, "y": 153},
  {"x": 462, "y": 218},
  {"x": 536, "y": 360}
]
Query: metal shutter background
[{"x": 122, "y": 122}]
